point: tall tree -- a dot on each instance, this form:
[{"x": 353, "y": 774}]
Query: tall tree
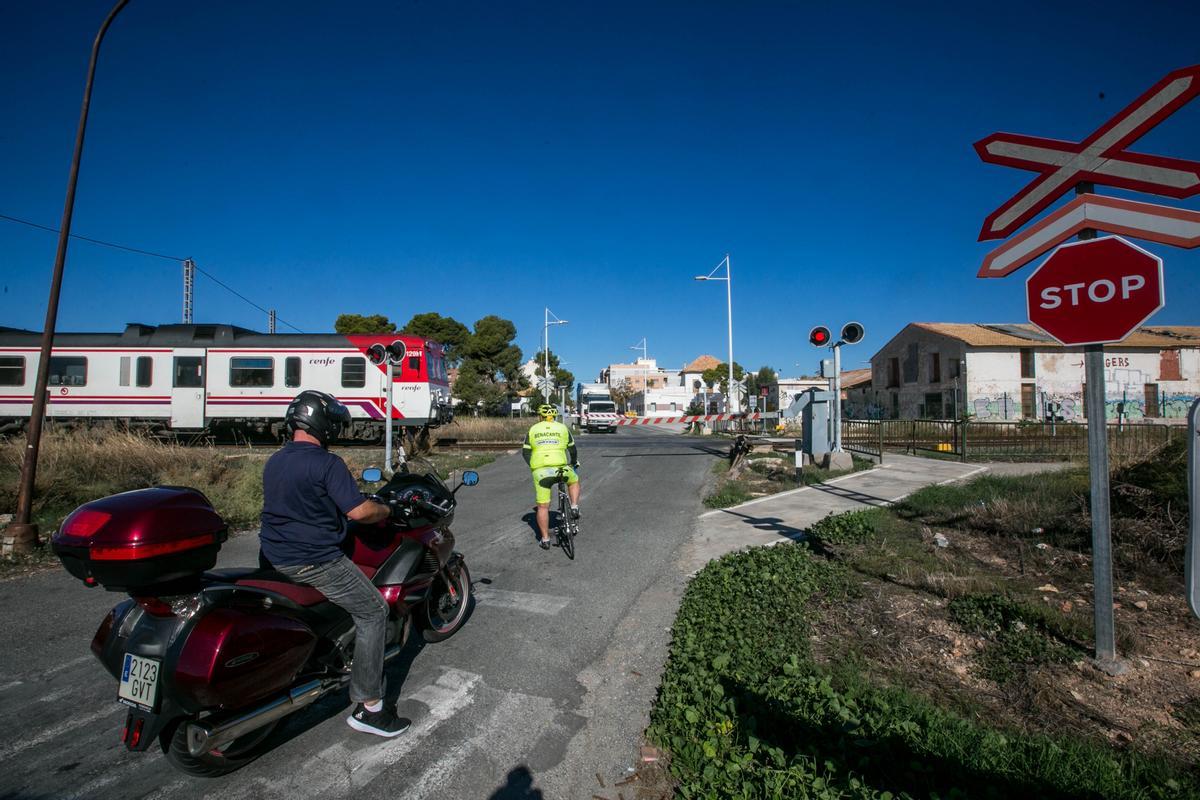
[
  {"x": 490, "y": 358},
  {"x": 621, "y": 392},
  {"x": 447, "y": 331},
  {"x": 755, "y": 382},
  {"x": 720, "y": 373},
  {"x": 357, "y": 323}
]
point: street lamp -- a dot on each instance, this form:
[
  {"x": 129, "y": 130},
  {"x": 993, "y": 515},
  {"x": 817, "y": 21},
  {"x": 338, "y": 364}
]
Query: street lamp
[
  {"x": 23, "y": 532},
  {"x": 645, "y": 370},
  {"x": 546, "y": 357},
  {"x": 733, "y": 407}
]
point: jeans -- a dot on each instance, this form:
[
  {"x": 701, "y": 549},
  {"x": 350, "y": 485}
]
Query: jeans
[{"x": 347, "y": 587}]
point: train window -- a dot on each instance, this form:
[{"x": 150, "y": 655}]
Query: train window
[
  {"x": 12, "y": 370},
  {"x": 252, "y": 371},
  {"x": 145, "y": 370},
  {"x": 189, "y": 372},
  {"x": 354, "y": 372},
  {"x": 68, "y": 370},
  {"x": 123, "y": 373},
  {"x": 291, "y": 372}
]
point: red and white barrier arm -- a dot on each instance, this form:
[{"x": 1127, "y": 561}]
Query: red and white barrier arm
[{"x": 688, "y": 419}]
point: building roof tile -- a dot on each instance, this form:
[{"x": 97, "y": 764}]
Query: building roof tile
[
  {"x": 1026, "y": 335},
  {"x": 702, "y": 363}
]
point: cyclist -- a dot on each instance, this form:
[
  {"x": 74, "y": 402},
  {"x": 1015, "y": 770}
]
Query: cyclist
[{"x": 548, "y": 448}]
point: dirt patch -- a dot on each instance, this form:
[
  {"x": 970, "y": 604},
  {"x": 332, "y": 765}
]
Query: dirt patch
[{"x": 901, "y": 624}]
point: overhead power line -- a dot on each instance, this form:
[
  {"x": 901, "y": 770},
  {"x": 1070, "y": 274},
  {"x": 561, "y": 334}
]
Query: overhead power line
[{"x": 151, "y": 253}]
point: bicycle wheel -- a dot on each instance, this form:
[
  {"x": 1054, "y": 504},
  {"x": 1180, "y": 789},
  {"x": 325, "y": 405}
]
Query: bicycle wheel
[{"x": 563, "y": 530}]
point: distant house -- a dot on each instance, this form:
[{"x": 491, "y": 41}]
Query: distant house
[{"x": 1014, "y": 371}]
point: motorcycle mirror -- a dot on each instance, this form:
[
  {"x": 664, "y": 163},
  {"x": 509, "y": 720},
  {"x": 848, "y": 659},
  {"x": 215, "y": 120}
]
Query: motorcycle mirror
[
  {"x": 470, "y": 478},
  {"x": 372, "y": 475}
]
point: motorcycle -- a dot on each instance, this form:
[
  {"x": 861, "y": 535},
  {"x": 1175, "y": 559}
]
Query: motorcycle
[{"x": 209, "y": 661}]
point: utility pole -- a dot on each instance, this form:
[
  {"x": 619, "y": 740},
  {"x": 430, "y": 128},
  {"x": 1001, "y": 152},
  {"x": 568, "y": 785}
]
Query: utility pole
[
  {"x": 189, "y": 283},
  {"x": 271, "y": 321},
  {"x": 23, "y": 533}
]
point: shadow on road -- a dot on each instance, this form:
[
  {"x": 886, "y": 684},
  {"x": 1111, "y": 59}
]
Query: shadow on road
[
  {"x": 771, "y": 525},
  {"x": 850, "y": 494},
  {"x": 518, "y": 786}
]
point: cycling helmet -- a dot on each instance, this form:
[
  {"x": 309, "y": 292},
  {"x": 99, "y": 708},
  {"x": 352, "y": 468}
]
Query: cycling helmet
[
  {"x": 318, "y": 414},
  {"x": 548, "y": 411}
]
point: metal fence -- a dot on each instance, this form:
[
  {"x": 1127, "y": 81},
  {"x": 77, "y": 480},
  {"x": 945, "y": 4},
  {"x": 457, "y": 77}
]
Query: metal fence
[{"x": 984, "y": 441}]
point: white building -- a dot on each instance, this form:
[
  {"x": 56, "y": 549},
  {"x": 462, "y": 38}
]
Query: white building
[{"x": 1014, "y": 371}]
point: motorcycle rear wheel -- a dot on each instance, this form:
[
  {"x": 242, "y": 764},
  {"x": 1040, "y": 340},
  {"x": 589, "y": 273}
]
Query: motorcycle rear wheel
[
  {"x": 441, "y": 614},
  {"x": 214, "y": 763}
]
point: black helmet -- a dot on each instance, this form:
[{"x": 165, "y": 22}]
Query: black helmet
[{"x": 317, "y": 413}]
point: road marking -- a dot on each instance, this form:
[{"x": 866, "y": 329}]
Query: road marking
[
  {"x": 521, "y": 601},
  {"x": 67, "y": 665},
  {"x": 431, "y": 780},
  {"x": 65, "y": 726},
  {"x": 714, "y": 512},
  {"x": 342, "y": 768},
  {"x": 10, "y": 685},
  {"x": 975, "y": 471}
]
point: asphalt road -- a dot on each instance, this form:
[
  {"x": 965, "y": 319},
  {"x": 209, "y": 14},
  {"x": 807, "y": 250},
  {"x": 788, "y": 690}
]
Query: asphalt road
[{"x": 548, "y": 683}]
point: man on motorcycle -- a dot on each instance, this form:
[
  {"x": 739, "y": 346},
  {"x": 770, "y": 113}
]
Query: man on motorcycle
[
  {"x": 547, "y": 448},
  {"x": 308, "y": 494}
]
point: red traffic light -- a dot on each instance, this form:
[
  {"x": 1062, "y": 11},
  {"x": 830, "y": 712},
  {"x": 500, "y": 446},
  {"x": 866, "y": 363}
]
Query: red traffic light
[
  {"x": 376, "y": 354},
  {"x": 819, "y": 336}
]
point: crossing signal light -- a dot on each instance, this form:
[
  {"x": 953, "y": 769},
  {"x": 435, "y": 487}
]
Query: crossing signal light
[
  {"x": 819, "y": 336},
  {"x": 376, "y": 354},
  {"x": 396, "y": 352},
  {"x": 852, "y": 333}
]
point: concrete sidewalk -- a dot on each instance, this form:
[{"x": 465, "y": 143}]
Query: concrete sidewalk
[{"x": 788, "y": 514}]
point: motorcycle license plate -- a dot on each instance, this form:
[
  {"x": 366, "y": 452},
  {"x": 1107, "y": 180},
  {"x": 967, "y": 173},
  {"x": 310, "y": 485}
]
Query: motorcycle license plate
[{"x": 139, "y": 682}]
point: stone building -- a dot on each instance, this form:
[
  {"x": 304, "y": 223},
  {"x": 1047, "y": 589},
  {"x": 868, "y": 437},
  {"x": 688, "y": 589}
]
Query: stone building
[{"x": 1014, "y": 371}]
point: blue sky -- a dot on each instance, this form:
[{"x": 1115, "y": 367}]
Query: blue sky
[{"x": 474, "y": 159}]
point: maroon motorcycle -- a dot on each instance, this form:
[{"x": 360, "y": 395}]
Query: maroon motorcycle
[{"x": 209, "y": 661}]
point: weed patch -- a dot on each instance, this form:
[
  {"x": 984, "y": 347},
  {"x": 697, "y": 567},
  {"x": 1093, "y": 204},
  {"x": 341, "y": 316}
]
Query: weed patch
[{"x": 746, "y": 713}]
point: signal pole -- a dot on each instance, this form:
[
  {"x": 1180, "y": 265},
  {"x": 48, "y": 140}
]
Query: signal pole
[{"x": 189, "y": 282}]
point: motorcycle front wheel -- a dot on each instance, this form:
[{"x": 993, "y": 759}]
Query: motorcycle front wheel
[
  {"x": 214, "y": 763},
  {"x": 444, "y": 611}
]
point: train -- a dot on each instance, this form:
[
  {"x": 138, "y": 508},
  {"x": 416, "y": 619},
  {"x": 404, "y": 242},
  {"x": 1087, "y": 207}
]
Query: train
[{"x": 222, "y": 379}]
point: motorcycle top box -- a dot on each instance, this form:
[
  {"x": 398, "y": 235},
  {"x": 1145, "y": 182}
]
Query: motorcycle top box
[{"x": 141, "y": 541}]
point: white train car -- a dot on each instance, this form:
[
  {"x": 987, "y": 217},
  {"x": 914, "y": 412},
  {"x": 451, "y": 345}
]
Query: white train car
[{"x": 215, "y": 378}]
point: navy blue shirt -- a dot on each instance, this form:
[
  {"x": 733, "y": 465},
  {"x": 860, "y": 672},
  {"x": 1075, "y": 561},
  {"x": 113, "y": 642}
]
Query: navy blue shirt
[{"x": 307, "y": 492}]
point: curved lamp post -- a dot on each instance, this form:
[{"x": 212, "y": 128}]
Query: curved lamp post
[{"x": 23, "y": 532}]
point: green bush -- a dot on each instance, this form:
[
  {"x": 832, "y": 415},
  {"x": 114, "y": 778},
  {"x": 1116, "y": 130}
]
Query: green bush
[
  {"x": 849, "y": 527},
  {"x": 745, "y": 713},
  {"x": 729, "y": 494}
]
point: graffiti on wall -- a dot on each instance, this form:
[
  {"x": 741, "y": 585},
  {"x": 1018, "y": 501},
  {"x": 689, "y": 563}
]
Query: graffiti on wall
[
  {"x": 994, "y": 408},
  {"x": 1176, "y": 406}
]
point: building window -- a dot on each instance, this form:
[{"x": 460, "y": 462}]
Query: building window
[
  {"x": 933, "y": 405},
  {"x": 145, "y": 371},
  {"x": 12, "y": 370},
  {"x": 291, "y": 372},
  {"x": 1151, "y": 400},
  {"x": 893, "y": 373},
  {"x": 935, "y": 368},
  {"x": 68, "y": 370},
  {"x": 188, "y": 372},
  {"x": 1168, "y": 366},
  {"x": 895, "y": 405},
  {"x": 955, "y": 369},
  {"x": 252, "y": 371},
  {"x": 1027, "y": 363},
  {"x": 1028, "y": 401},
  {"x": 354, "y": 372}
]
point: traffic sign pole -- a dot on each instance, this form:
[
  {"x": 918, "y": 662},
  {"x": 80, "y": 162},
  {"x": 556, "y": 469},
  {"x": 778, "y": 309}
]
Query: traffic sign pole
[
  {"x": 1192, "y": 563},
  {"x": 1097, "y": 435}
]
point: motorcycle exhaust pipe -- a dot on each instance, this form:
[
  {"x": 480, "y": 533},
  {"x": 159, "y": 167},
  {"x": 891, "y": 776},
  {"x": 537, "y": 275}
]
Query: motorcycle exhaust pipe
[{"x": 201, "y": 737}]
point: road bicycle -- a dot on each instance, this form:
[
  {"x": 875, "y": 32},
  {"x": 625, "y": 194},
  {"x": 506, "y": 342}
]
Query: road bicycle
[{"x": 567, "y": 527}]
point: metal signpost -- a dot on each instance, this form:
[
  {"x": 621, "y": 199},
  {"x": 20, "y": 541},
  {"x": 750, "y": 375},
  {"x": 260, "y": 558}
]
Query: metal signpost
[
  {"x": 1096, "y": 290},
  {"x": 1192, "y": 562}
]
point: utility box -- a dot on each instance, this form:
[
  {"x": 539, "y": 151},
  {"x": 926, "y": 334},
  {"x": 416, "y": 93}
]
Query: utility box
[{"x": 815, "y": 408}]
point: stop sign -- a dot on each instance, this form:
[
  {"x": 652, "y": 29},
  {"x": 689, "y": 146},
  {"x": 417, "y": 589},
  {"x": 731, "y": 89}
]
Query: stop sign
[{"x": 1095, "y": 291}]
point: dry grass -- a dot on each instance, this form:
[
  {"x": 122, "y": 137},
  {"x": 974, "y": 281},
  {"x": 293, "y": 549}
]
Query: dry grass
[
  {"x": 485, "y": 429},
  {"x": 77, "y": 466}
]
